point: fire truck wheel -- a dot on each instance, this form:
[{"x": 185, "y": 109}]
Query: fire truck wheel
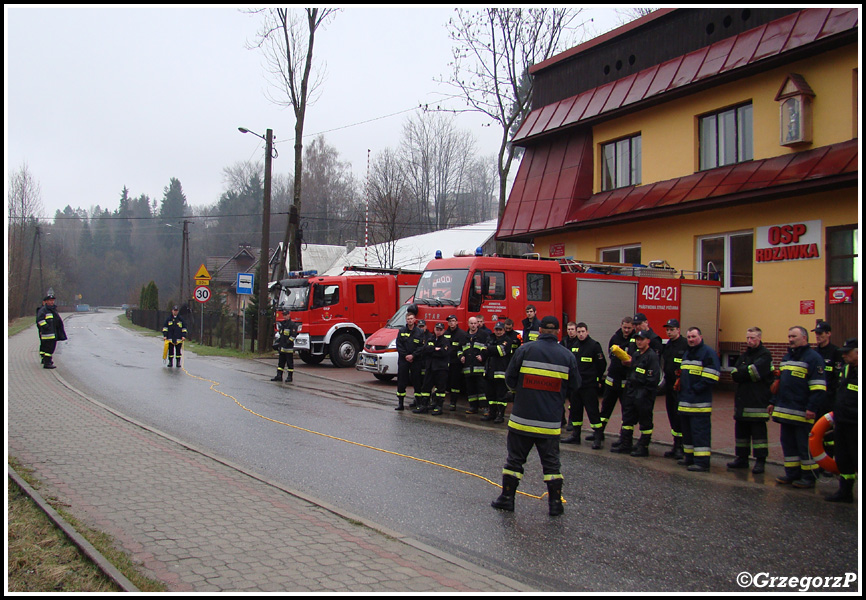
[
  {"x": 344, "y": 350},
  {"x": 309, "y": 358}
]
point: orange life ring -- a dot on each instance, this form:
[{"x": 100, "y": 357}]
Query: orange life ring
[{"x": 816, "y": 444}]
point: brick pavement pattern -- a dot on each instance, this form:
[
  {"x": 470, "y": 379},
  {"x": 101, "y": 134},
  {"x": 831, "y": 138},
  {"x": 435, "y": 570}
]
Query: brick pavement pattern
[{"x": 195, "y": 523}]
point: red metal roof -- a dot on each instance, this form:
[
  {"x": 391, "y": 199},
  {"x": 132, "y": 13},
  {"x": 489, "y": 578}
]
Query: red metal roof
[
  {"x": 550, "y": 193},
  {"x": 750, "y": 47}
]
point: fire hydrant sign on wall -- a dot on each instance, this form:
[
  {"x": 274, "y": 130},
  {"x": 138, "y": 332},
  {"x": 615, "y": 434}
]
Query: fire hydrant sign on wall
[{"x": 791, "y": 241}]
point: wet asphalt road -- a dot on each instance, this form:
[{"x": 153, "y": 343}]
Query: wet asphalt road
[{"x": 630, "y": 524}]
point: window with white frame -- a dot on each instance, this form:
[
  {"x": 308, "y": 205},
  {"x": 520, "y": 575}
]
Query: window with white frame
[
  {"x": 731, "y": 256},
  {"x": 621, "y": 163},
  {"x": 621, "y": 254},
  {"x": 726, "y": 137}
]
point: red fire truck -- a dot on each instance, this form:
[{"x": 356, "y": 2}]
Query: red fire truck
[
  {"x": 598, "y": 294},
  {"x": 338, "y": 312}
]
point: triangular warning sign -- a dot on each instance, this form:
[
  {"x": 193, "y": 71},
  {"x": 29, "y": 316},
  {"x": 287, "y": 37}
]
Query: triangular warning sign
[{"x": 202, "y": 273}]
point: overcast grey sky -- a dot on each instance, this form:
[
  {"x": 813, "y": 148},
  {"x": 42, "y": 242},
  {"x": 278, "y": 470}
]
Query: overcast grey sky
[{"x": 97, "y": 98}]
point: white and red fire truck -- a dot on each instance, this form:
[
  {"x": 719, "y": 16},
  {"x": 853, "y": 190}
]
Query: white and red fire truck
[
  {"x": 338, "y": 312},
  {"x": 598, "y": 294}
]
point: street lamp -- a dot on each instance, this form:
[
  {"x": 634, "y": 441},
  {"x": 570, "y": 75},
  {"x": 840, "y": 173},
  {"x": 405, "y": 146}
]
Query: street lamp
[{"x": 266, "y": 226}]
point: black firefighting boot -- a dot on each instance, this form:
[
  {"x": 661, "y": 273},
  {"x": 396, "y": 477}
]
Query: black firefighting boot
[
  {"x": 624, "y": 445},
  {"x": 170, "y": 363},
  {"x": 289, "y": 375},
  {"x": 677, "y": 451},
  {"x": 591, "y": 436},
  {"x": 421, "y": 400},
  {"x": 278, "y": 377},
  {"x": 505, "y": 501},
  {"x": 760, "y": 461},
  {"x": 642, "y": 447},
  {"x": 473, "y": 407},
  {"x": 554, "y": 497},
  {"x": 500, "y": 414},
  {"x": 177, "y": 362},
  {"x": 845, "y": 493},
  {"x": 741, "y": 462},
  {"x": 400, "y": 402},
  {"x": 574, "y": 438},
  {"x": 489, "y": 412},
  {"x": 597, "y": 438}
]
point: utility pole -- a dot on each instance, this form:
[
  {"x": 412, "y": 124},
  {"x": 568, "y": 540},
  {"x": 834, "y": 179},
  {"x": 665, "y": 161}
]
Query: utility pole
[
  {"x": 264, "y": 254},
  {"x": 185, "y": 273}
]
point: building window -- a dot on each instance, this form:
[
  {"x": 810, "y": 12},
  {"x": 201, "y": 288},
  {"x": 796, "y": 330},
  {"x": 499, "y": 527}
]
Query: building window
[
  {"x": 726, "y": 137},
  {"x": 622, "y": 254},
  {"x": 620, "y": 163},
  {"x": 728, "y": 257},
  {"x": 843, "y": 255}
]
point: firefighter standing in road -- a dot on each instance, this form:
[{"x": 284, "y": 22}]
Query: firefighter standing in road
[
  {"x": 591, "y": 365},
  {"x": 846, "y": 418},
  {"x": 408, "y": 343},
  {"x": 753, "y": 373},
  {"x": 436, "y": 373},
  {"x": 284, "y": 342},
  {"x": 498, "y": 356},
  {"x": 700, "y": 373},
  {"x": 51, "y": 330},
  {"x": 530, "y": 324},
  {"x": 616, "y": 372},
  {"x": 543, "y": 374},
  {"x": 174, "y": 331},
  {"x": 802, "y": 393},
  {"x": 474, "y": 361},
  {"x": 672, "y": 360},
  {"x": 639, "y": 398},
  {"x": 422, "y": 358},
  {"x": 456, "y": 340}
]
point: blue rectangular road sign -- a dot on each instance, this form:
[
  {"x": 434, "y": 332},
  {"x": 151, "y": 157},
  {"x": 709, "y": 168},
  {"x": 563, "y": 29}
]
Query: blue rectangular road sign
[{"x": 245, "y": 283}]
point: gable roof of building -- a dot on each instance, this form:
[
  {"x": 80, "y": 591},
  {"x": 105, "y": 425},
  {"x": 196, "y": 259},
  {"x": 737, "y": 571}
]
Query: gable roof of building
[{"x": 797, "y": 32}]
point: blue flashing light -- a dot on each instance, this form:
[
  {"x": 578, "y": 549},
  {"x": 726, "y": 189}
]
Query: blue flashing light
[
  {"x": 438, "y": 254},
  {"x": 479, "y": 251}
]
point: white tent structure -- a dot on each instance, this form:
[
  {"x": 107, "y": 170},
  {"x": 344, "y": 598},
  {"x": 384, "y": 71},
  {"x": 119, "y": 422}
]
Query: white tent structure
[{"x": 413, "y": 253}]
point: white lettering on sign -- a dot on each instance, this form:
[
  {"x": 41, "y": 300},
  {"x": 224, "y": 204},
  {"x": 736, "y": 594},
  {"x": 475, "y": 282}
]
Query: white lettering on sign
[{"x": 789, "y": 241}]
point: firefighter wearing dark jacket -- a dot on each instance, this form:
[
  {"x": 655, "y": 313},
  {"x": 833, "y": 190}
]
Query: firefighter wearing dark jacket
[
  {"x": 456, "y": 340},
  {"x": 498, "y": 356},
  {"x": 616, "y": 372},
  {"x": 802, "y": 392},
  {"x": 174, "y": 331},
  {"x": 51, "y": 330},
  {"x": 284, "y": 343},
  {"x": 591, "y": 365},
  {"x": 436, "y": 370},
  {"x": 474, "y": 361},
  {"x": 530, "y": 324},
  {"x": 672, "y": 361},
  {"x": 409, "y": 344},
  {"x": 640, "y": 395},
  {"x": 845, "y": 418},
  {"x": 543, "y": 374},
  {"x": 753, "y": 374},
  {"x": 699, "y": 374}
]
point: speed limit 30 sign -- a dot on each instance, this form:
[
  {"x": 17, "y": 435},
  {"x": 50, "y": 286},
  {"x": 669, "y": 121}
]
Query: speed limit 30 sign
[{"x": 202, "y": 294}]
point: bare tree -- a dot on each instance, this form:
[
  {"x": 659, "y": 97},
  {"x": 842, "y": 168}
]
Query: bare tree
[
  {"x": 287, "y": 44},
  {"x": 493, "y": 51},
  {"x": 24, "y": 199},
  {"x": 388, "y": 198}
]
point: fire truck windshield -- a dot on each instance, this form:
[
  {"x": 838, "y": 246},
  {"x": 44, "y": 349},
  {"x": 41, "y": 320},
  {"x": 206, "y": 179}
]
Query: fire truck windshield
[
  {"x": 441, "y": 287},
  {"x": 294, "y": 298}
]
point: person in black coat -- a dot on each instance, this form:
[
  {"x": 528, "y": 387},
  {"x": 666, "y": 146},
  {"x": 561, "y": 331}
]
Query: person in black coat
[
  {"x": 753, "y": 373},
  {"x": 845, "y": 417},
  {"x": 51, "y": 330}
]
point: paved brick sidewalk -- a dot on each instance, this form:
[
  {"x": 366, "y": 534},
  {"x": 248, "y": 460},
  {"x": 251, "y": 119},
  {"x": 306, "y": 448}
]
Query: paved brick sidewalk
[{"x": 195, "y": 523}]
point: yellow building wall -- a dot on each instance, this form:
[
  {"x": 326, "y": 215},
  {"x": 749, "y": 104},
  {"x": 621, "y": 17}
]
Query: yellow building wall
[
  {"x": 777, "y": 287},
  {"x": 669, "y": 132}
]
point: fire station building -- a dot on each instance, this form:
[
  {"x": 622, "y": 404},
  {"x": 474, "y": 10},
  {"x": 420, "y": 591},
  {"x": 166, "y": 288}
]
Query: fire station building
[{"x": 720, "y": 140}]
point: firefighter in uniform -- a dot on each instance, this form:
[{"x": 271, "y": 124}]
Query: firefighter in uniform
[
  {"x": 700, "y": 373},
  {"x": 498, "y": 356},
  {"x": 174, "y": 331},
  {"x": 284, "y": 342},
  {"x": 530, "y": 324},
  {"x": 436, "y": 370},
  {"x": 591, "y": 365},
  {"x": 832, "y": 369},
  {"x": 753, "y": 373},
  {"x": 672, "y": 360},
  {"x": 51, "y": 330},
  {"x": 845, "y": 418},
  {"x": 543, "y": 374},
  {"x": 643, "y": 379},
  {"x": 474, "y": 361},
  {"x": 456, "y": 340},
  {"x": 616, "y": 372},
  {"x": 408, "y": 345},
  {"x": 802, "y": 392},
  {"x": 422, "y": 358}
]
